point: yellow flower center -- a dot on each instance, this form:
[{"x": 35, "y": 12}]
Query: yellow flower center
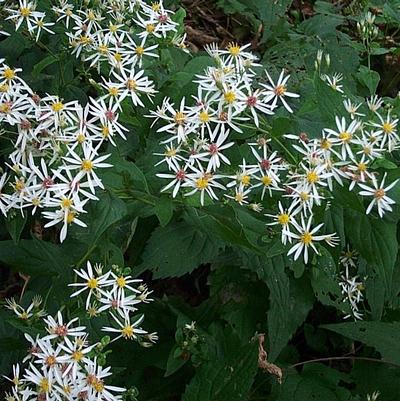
[
  {"x": 103, "y": 49},
  {"x": 131, "y": 84},
  {"x": 266, "y": 180},
  {"x": 180, "y": 118},
  {"x": 229, "y": 97},
  {"x": 92, "y": 283},
  {"x": 113, "y": 91},
  {"x": 98, "y": 385},
  {"x": 280, "y": 90},
  {"x": 304, "y": 196},
  {"x": 23, "y": 316},
  {"x": 113, "y": 28},
  {"x": 326, "y": 144},
  {"x": 202, "y": 183},
  {"x": 127, "y": 332},
  {"x": 70, "y": 217},
  {"x": 20, "y": 185},
  {"x": 121, "y": 281},
  {"x": 66, "y": 203},
  {"x": 8, "y": 74},
  {"x": 150, "y": 28},
  {"x": 312, "y": 177},
  {"x": 234, "y": 49},
  {"x": 283, "y": 219},
  {"x": 91, "y": 15},
  {"x": 44, "y": 385},
  {"x": 306, "y": 238},
  {"x": 204, "y": 117},
  {"x": 105, "y": 131},
  {"x": 155, "y": 6},
  {"x": 345, "y": 137},
  {"x": 80, "y": 138},
  {"x": 51, "y": 360},
  {"x": 139, "y": 51},
  {"x": 388, "y": 128},
  {"x": 40, "y": 24},
  {"x": 245, "y": 180},
  {"x": 362, "y": 167},
  {"x": 5, "y": 108},
  {"x": 87, "y": 165},
  {"x": 35, "y": 201},
  {"x": 85, "y": 40},
  {"x": 239, "y": 197},
  {"x": 379, "y": 193},
  {"x": 170, "y": 152},
  {"x": 25, "y": 12},
  {"x": 77, "y": 355},
  {"x": 57, "y": 106},
  {"x": 4, "y": 88}
]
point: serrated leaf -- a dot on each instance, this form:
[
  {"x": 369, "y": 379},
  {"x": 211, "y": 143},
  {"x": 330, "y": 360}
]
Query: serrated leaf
[
  {"x": 177, "y": 249},
  {"x": 164, "y": 210},
  {"x": 384, "y": 337},
  {"x": 225, "y": 379},
  {"x": 290, "y": 302},
  {"x": 368, "y": 78}
]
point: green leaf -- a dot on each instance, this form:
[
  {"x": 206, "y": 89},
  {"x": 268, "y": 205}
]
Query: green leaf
[
  {"x": 316, "y": 382},
  {"x": 177, "y": 249},
  {"x": 36, "y": 257},
  {"x": 376, "y": 240},
  {"x": 103, "y": 214},
  {"x": 164, "y": 210},
  {"x": 15, "y": 225},
  {"x": 225, "y": 377},
  {"x": 384, "y": 337},
  {"x": 368, "y": 78},
  {"x": 39, "y": 67},
  {"x": 290, "y": 302}
]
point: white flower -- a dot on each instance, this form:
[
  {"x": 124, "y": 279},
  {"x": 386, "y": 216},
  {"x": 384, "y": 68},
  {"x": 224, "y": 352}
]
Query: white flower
[
  {"x": 93, "y": 283},
  {"x": 278, "y": 91},
  {"x": 126, "y": 329},
  {"x": 305, "y": 238},
  {"x": 379, "y": 194},
  {"x": 57, "y": 328}
]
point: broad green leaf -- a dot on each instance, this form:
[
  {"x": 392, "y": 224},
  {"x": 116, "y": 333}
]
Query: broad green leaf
[
  {"x": 39, "y": 67},
  {"x": 368, "y": 78},
  {"x": 36, "y": 257},
  {"x": 316, "y": 382},
  {"x": 164, "y": 210},
  {"x": 290, "y": 302},
  {"x": 225, "y": 377},
  {"x": 15, "y": 225},
  {"x": 383, "y": 336},
  {"x": 177, "y": 249}
]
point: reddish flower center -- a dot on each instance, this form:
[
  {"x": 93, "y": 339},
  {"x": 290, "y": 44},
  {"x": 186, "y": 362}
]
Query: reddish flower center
[
  {"x": 47, "y": 182},
  {"x": 213, "y": 148},
  {"x": 251, "y": 101},
  {"x": 180, "y": 175},
  {"x": 109, "y": 115},
  {"x": 61, "y": 331},
  {"x": 265, "y": 164}
]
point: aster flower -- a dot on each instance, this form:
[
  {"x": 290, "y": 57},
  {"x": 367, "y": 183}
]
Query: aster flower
[{"x": 379, "y": 195}]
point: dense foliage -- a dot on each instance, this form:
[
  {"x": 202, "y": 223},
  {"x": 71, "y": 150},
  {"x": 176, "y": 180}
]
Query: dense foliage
[{"x": 199, "y": 200}]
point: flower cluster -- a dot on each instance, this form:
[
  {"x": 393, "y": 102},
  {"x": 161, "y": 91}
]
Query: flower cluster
[
  {"x": 62, "y": 365},
  {"x": 105, "y": 29},
  {"x": 118, "y": 294},
  {"x": 231, "y": 97},
  {"x": 57, "y": 151},
  {"x": 350, "y": 285}
]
